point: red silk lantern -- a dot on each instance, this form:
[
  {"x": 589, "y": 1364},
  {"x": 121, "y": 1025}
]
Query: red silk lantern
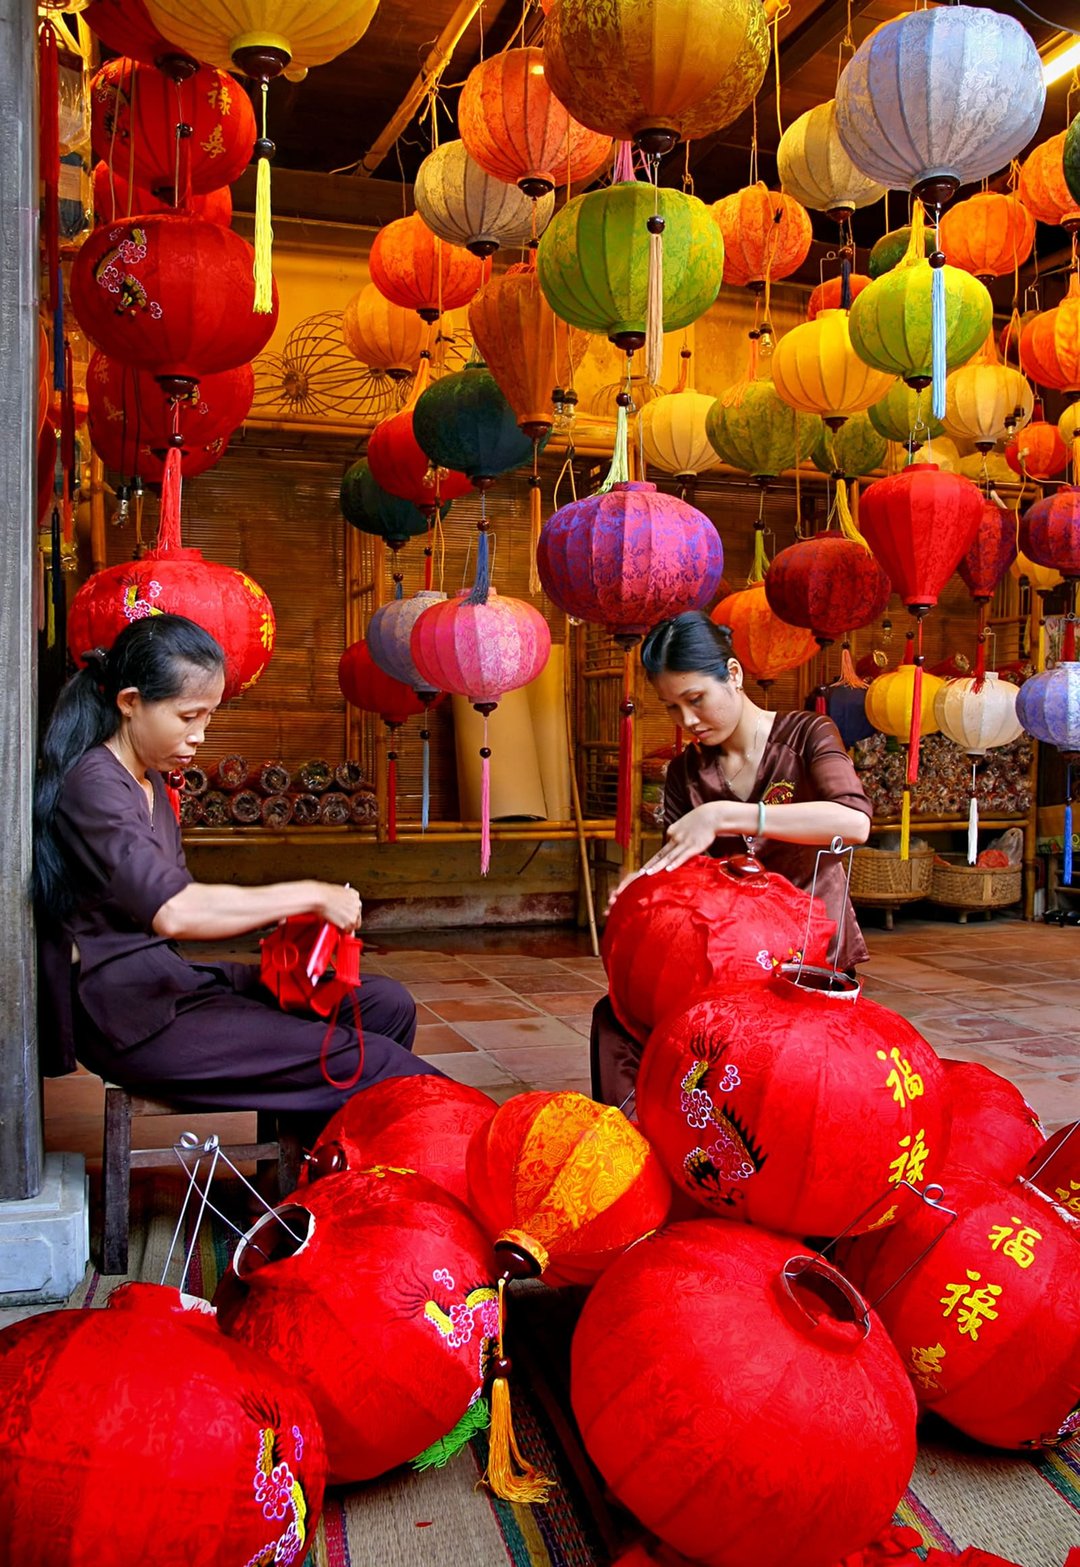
[
  {"x": 170, "y": 579},
  {"x": 920, "y": 523},
  {"x": 385, "y": 1312},
  {"x": 565, "y": 1182},
  {"x": 402, "y": 469},
  {"x": 515, "y": 128},
  {"x": 767, "y": 235},
  {"x": 1050, "y": 531},
  {"x": 128, "y": 459},
  {"x": 827, "y": 295},
  {"x": 132, "y": 407},
  {"x": 790, "y": 1107},
  {"x": 125, "y": 28},
  {"x": 829, "y": 584},
  {"x": 995, "y": 1132},
  {"x": 135, "y": 111},
  {"x": 987, "y": 1322},
  {"x": 412, "y": 268},
  {"x": 702, "y": 925},
  {"x": 140, "y": 1433},
  {"x": 366, "y": 686},
  {"x": 765, "y": 645},
  {"x": 424, "y": 1125},
  {"x": 983, "y": 567},
  {"x": 1055, "y": 1168},
  {"x": 171, "y": 295},
  {"x": 1038, "y": 452},
  {"x": 115, "y": 198},
  {"x": 706, "y": 1351}
]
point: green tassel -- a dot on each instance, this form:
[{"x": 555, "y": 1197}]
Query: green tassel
[{"x": 476, "y": 1418}]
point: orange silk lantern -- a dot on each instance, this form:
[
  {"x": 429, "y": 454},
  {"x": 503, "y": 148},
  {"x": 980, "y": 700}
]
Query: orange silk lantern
[
  {"x": 383, "y": 335},
  {"x": 765, "y": 645},
  {"x": 988, "y": 234},
  {"x": 1043, "y": 189},
  {"x": 828, "y": 295},
  {"x": 1050, "y": 344},
  {"x": 767, "y": 235},
  {"x": 526, "y": 347},
  {"x": 1038, "y": 452},
  {"x": 414, "y": 269},
  {"x": 515, "y": 128}
]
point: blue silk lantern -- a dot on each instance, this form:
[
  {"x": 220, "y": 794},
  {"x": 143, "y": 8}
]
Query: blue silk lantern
[
  {"x": 846, "y": 706},
  {"x": 367, "y": 506},
  {"x": 388, "y": 634},
  {"x": 1048, "y": 706}
]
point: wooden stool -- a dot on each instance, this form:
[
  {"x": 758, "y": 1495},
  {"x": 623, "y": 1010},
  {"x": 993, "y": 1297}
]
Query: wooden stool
[{"x": 276, "y": 1141}]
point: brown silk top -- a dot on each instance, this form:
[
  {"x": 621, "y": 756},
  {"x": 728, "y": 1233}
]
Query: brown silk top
[{"x": 804, "y": 759}]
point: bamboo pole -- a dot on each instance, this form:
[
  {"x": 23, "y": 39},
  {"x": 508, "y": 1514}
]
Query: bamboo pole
[{"x": 97, "y": 513}]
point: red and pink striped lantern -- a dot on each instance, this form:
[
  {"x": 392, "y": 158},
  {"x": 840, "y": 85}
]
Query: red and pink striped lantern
[
  {"x": 982, "y": 569},
  {"x": 364, "y": 685},
  {"x": 480, "y": 646}
]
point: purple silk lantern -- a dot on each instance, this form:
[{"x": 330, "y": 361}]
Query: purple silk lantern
[
  {"x": 1050, "y": 531},
  {"x": 625, "y": 559},
  {"x": 388, "y": 636},
  {"x": 1048, "y": 706}
]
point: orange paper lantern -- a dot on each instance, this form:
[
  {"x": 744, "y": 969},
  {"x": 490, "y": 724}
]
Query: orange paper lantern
[
  {"x": 765, "y": 645},
  {"x": 1038, "y": 452},
  {"x": 1042, "y": 185},
  {"x": 767, "y": 235},
  {"x": 1050, "y": 344},
  {"x": 988, "y": 235},
  {"x": 412, "y": 268}
]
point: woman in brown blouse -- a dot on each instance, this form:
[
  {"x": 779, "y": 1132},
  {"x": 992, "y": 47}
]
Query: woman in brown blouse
[{"x": 777, "y": 785}]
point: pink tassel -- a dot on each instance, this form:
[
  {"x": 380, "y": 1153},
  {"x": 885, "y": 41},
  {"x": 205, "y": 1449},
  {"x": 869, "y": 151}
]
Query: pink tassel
[
  {"x": 391, "y": 795},
  {"x": 626, "y": 761},
  {"x": 915, "y": 733},
  {"x": 485, "y": 802}
]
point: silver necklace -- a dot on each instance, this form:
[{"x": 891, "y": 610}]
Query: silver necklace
[{"x": 751, "y": 755}]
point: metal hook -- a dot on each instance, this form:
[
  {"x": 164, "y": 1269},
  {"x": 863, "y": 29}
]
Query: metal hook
[
  {"x": 836, "y": 849},
  {"x": 930, "y": 1197}
]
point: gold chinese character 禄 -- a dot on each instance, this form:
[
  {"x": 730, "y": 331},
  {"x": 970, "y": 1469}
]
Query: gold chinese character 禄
[
  {"x": 976, "y": 1306},
  {"x": 905, "y": 1084},
  {"x": 1069, "y": 1197},
  {"x": 910, "y": 1165},
  {"x": 1019, "y": 1246},
  {"x": 926, "y": 1366}
]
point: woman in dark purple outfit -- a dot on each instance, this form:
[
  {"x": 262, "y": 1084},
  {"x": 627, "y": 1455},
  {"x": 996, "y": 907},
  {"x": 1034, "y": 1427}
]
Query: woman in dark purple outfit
[{"x": 114, "y": 894}]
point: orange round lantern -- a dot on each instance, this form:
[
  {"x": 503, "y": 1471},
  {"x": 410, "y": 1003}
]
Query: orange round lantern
[
  {"x": 988, "y": 235},
  {"x": 1042, "y": 185},
  {"x": 765, "y": 645},
  {"x": 767, "y": 235},
  {"x": 382, "y": 335},
  {"x": 412, "y": 268},
  {"x": 1038, "y": 452},
  {"x": 1050, "y": 344},
  {"x": 515, "y": 128},
  {"x": 827, "y": 295},
  {"x": 527, "y": 348}
]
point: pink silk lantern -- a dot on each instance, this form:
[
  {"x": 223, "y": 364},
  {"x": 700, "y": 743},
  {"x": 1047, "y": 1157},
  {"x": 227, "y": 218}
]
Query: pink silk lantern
[
  {"x": 792, "y": 1108},
  {"x": 984, "y": 1308},
  {"x": 480, "y": 646},
  {"x": 365, "y": 685},
  {"x": 995, "y": 1132},
  {"x": 706, "y": 924},
  {"x": 140, "y": 1433},
  {"x": 983, "y": 567}
]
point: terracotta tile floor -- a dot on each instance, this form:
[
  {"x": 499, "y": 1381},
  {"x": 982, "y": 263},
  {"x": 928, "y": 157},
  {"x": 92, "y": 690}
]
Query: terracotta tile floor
[{"x": 508, "y": 1009}]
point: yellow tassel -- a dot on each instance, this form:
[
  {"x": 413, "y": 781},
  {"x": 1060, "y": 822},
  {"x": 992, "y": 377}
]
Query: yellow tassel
[
  {"x": 1076, "y": 456},
  {"x": 1040, "y": 662},
  {"x": 916, "y": 250},
  {"x": 761, "y": 560},
  {"x": 844, "y": 517},
  {"x": 536, "y": 522},
  {"x": 509, "y": 1474},
  {"x": 905, "y": 826},
  {"x": 264, "y": 242}
]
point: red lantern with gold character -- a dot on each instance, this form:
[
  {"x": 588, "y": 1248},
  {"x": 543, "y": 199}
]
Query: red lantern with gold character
[
  {"x": 1055, "y": 1168},
  {"x": 115, "y": 198},
  {"x": 994, "y": 1131},
  {"x": 790, "y": 1107}
]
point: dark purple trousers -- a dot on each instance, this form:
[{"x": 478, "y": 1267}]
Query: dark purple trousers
[{"x": 231, "y": 1047}]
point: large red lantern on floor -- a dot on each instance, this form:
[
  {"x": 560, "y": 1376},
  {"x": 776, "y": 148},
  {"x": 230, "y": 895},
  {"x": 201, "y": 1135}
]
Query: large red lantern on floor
[
  {"x": 115, "y": 198},
  {"x": 140, "y": 1433},
  {"x": 920, "y": 523},
  {"x": 829, "y": 584},
  {"x": 131, "y": 407},
  {"x": 170, "y": 295},
  {"x": 172, "y": 580},
  {"x": 413, "y": 268},
  {"x": 994, "y": 1131},
  {"x": 420, "y": 1123},
  {"x": 374, "y": 1290},
  {"x": 565, "y": 1184},
  {"x": 399, "y": 465},
  {"x": 1050, "y": 531},
  {"x": 987, "y": 1322},
  {"x": 707, "y": 1350},
  {"x": 711, "y": 922},
  {"x": 791, "y": 1107},
  {"x": 135, "y": 112}
]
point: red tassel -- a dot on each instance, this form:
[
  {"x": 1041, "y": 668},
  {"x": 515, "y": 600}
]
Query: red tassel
[
  {"x": 915, "y": 733},
  {"x": 174, "y": 800},
  {"x": 485, "y": 810},
  {"x": 678, "y": 740},
  {"x": 391, "y": 795},
  {"x": 1068, "y": 645},
  {"x": 428, "y": 559},
  {"x": 821, "y": 706},
  {"x": 49, "y": 131},
  {"x": 171, "y": 488},
  {"x": 980, "y": 651},
  {"x": 623, "y": 811}
]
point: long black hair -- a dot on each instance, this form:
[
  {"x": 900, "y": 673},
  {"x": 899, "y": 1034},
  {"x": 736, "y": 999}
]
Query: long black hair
[
  {"x": 688, "y": 643},
  {"x": 152, "y": 656}
]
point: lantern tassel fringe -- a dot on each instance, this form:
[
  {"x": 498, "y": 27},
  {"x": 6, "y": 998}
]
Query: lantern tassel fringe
[
  {"x": 973, "y": 822},
  {"x": 654, "y": 310},
  {"x": 482, "y": 584},
  {"x": 508, "y": 1472},
  {"x": 915, "y": 732},
  {"x": 761, "y": 560},
  {"x": 425, "y": 783},
  {"x": 171, "y": 494},
  {"x": 536, "y": 523},
  {"x": 938, "y": 339},
  {"x": 391, "y": 799},
  {"x": 476, "y": 1418},
  {"x": 905, "y": 826},
  {"x": 844, "y": 517},
  {"x": 619, "y": 472},
  {"x": 1068, "y": 641},
  {"x": 264, "y": 233},
  {"x": 1067, "y": 847},
  {"x": 485, "y": 803},
  {"x": 848, "y": 675}
]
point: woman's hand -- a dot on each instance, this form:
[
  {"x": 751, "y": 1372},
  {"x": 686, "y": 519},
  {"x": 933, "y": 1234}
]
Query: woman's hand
[
  {"x": 691, "y": 835},
  {"x": 338, "y": 906},
  {"x": 633, "y": 876}
]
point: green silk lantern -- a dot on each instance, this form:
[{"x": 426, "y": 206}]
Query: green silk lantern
[
  {"x": 904, "y": 412},
  {"x": 889, "y": 251},
  {"x": 593, "y": 260},
  {"x": 365, "y": 505},
  {"x": 464, "y": 422},
  {"x": 760, "y": 433},
  {"x": 854, "y": 450}
]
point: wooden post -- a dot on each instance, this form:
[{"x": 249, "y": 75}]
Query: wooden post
[{"x": 20, "y": 1112}]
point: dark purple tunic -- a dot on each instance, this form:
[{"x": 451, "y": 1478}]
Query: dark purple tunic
[{"x": 133, "y": 1009}]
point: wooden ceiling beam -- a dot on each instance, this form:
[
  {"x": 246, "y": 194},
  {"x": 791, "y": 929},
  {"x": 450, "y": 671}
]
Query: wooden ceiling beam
[{"x": 307, "y": 195}]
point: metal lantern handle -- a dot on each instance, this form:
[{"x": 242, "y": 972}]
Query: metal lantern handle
[{"x": 836, "y": 850}]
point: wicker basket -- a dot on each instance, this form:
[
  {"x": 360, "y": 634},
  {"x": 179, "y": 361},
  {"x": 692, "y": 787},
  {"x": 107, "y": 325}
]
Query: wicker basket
[
  {"x": 879, "y": 877},
  {"x": 958, "y": 885}
]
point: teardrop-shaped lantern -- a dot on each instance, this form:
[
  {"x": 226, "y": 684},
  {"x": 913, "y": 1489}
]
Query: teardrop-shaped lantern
[{"x": 920, "y": 523}]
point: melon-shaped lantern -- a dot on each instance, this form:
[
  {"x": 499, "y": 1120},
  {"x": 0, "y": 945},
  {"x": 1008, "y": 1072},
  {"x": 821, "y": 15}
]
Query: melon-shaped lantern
[
  {"x": 888, "y": 251},
  {"x": 756, "y": 430},
  {"x": 593, "y": 260},
  {"x": 920, "y": 523},
  {"x": 464, "y": 423},
  {"x": 765, "y": 645},
  {"x": 986, "y": 401},
  {"x": 401, "y": 468},
  {"x": 565, "y": 1183},
  {"x": 767, "y": 235},
  {"x": 709, "y": 923},
  {"x": 464, "y": 205},
  {"x": 984, "y": 1309},
  {"x": 988, "y": 235},
  {"x": 1050, "y": 344},
  {"x": 516, "y": 129},
  {"x": 704, "y": 1329},
  {"x": 127, "y": 409},
  {"x": 1070, "y": 159},
  {"x": 830, "y": 294},
  {"x": 240, "y": 34},
  {"x": 172, "y": 580},
  {"x": 816, "y": 369},
  {"x": 1044, "y": 579},
  {"x": 134, "y": 115},
  {"x": 829, "y": 584},
  {"x": 166, "y": 1441},
  {"x": 978, "y": 715},
  {"x": 383, "y": 335},
  {"x": 853, "y": 451},
  {"x": 1055, "y": 1168},
  {"x": 115, "y": 198},
  {"x": 939, "y": 99},
  {"x": 405, "y": 1123},
  {"x": 366, "y": 506},
  {"x": 373, "y": 1288},
  {"x": 1050, "y": 531},
  {"x": 413, "y": 268},
  {"x": 791, "y": 1107},
  {"x": 674, "y": 434},
  {"x": 904, "y": 415},
  {"x": 1048, "y": 706},
  {"x": 1038, "y": 452},
  {"x": 815, "y": 169},
  {"x": 656, "y": 73},
  {"x": 389, "y": 637},
  {"x": 994, "y": 1130},
  {"x": 891, "y": 697},
  {"x": 1043, "y": 188}
]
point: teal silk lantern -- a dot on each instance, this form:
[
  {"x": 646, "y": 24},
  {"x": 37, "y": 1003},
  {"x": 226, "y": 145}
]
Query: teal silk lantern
[
  {"x": 593, "y": 260},
  {"x": 464, "y": 422},
  {"x": 367, "y": 506}
]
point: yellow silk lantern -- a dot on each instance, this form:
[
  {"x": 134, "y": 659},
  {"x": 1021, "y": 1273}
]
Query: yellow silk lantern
[
  {"x": 658, "y": 70},
  {"x": 674, "y": 436},
  {"x": 816, "y": 370},
  {"x": 1044, "y": 579},
  {"x": 463, "y": 204},
  {"x": 986, "y": 468},
  {"x": 889, "y": 703},
  {"x": 940, "y": 452},
  {"x": 1042, "y": 186},
  {"x": 1069, "y": 430},
  {"x": 986, "y": 400},
  {"x": 383, "y": 335},
  {"x": 815, "y": 169}
]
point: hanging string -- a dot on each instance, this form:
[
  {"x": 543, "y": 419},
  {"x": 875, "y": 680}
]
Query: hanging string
[
  {"x": 781, "y": 12},
  {"x": 915, "y": 730}
]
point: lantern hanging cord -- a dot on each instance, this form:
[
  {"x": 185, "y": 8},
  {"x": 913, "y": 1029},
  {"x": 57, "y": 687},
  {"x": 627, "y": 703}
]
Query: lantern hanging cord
[{"x": 780, "y": 14}]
